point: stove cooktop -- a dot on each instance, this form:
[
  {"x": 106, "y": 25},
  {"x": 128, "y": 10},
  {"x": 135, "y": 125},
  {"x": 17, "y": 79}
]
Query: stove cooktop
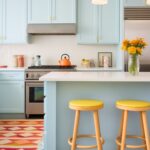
[{"x": 52, "y": 67}]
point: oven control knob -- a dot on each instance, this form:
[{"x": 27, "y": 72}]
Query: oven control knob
[
  {"x": 32, "y": 76},
  {"x": 27, "y": 75},
  {"x": 38, "y": 75}
]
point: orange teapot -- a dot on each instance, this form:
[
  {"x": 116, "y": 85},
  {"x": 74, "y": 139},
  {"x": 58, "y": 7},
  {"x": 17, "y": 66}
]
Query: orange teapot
[{"x": 65, "y": 60}]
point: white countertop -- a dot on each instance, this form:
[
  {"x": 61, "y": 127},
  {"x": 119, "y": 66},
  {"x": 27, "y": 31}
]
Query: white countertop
[
  {"x": 13, "y": 69},
  {"x": 98, "y": 69},
  {"x": 96, "y": 76}
]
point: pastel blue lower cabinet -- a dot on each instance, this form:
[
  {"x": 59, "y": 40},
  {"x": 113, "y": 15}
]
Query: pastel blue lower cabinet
[
  {"x": 134, "y": 3},
  {"x": 1, "y": 21},
  {"x": 11, "y": 97},
  {"x": 12, "y": 92},
  {"x": 13, "y": 23},
  {"x": 99, "y": 24},
  {"x": 59, "y": 118}
]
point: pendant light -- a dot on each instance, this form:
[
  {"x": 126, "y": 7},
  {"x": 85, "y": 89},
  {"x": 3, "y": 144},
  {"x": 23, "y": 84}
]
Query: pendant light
[
  {"x": 148, "y": 2},
  {"x": 99, "y": 2}
]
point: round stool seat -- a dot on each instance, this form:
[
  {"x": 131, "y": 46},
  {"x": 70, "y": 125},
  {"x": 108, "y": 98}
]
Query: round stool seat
[
  {"x": 86, "y": 104},
  {"x": 133, "y": 105}
]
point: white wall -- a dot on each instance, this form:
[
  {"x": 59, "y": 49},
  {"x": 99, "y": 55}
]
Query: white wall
[
  {"x": 51, "y": 47},
  {"x": 139, "y": 28}
]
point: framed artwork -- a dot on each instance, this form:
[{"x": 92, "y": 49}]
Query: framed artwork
[{"x": 105, "y": 59}]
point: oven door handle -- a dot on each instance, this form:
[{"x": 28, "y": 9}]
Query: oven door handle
[{"x": 44, "y": 97}]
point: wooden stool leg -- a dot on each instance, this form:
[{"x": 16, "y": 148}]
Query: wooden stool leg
[
  {"x": 142, "y": 129},
  {"x": 146, "y": 131},
  {"x": 123, "y": 139},
  {"x": 75, "y": 130},
  {"x": 97, "y": 130},
  {"x": 121, "y": 127}
]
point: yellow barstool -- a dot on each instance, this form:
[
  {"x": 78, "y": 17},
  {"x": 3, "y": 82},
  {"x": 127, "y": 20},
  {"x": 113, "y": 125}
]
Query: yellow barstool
[
  {"x": 133, "y": 106},
  {"x": 86, "y": 105}
]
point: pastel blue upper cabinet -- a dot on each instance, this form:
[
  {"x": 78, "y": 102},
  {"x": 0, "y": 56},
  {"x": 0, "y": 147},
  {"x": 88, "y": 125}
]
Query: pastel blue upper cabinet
[
  {"x": 63, "y": 11},
  {"x": 51, "y": 11},
  {"x": 39, "y": 11},
  {"x": 87, "y": 22},
  {"x": 109, "y": 23},
  {"x": 98, "y": 24},
  {"x": 14, "y": 21},
  {"x": 132, "y": 3},
  {"x": 15, "y": 13}
]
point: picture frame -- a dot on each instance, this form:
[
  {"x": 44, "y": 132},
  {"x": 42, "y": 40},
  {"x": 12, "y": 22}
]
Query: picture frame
[{"x": 102, "y": 56}]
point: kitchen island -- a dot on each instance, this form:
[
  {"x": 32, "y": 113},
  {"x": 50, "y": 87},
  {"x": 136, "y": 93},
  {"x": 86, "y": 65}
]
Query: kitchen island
[{"x": 61, "y": 87}]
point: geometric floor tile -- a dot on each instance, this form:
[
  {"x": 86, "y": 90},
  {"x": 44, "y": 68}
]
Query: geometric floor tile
[{"x": 20, "y": 134}]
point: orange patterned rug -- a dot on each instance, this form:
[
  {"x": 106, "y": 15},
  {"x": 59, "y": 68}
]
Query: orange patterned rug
[{"x": 20, "y": 134}]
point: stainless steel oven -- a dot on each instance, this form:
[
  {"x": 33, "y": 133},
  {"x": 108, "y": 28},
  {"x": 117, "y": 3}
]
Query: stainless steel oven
[
  {"x": 34, "y": 98},
  {"x": 34, "y": 92},
  {"x": 34, "y": 89}
]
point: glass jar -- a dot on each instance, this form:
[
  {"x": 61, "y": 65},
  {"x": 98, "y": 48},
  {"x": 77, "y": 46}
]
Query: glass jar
[
  {"x": 133, "y": 64},
  {"x": 38, "y": 60}
]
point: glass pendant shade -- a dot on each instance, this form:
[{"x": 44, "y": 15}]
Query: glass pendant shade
[
  {"x": 99, "y": 2},
  {"x": 148, "y": 2}
]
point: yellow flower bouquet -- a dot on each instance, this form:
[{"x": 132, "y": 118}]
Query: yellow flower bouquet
[{"x": 134, "y": 48}]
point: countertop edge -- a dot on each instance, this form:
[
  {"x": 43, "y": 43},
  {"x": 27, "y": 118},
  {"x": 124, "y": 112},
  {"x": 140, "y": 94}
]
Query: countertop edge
[{"x": 96, "y": 77}]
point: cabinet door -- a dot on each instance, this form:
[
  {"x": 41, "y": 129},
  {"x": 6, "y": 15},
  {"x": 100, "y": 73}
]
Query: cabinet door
[
  {"x": 11, "y": 96},
  {"x": 1, "y": 21},
  {"x": 39, "y": 11},
  {"x": 15, "y": 13},
  {"x": 87, "y": 22},
  {"x": 135, "y": 3},
  {"x": 109, "y": 22},
  {"x": 63, "y": 11}
]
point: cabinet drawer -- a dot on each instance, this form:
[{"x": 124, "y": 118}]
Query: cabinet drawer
[
  {"x": 134, "y": 3},
  {"x": 11, "y": 75}
]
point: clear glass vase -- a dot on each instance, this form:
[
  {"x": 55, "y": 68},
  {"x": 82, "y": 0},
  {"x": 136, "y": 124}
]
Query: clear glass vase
[{"x": 133, "y": 64}]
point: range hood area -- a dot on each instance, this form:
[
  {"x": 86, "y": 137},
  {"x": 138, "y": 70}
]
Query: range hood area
[
  {"x": 139, "y": 13},
  {"x": 52, "y": 29}
]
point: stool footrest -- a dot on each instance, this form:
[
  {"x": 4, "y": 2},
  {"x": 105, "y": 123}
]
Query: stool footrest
[
  {"x": 118, "y": 142},
  {"x": 85, "y": 146}
]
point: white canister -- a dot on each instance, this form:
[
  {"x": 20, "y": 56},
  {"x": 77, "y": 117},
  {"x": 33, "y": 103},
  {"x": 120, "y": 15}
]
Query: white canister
[
  {"x": 106, "y": 61},
  {"x": 15, "y": 62}
]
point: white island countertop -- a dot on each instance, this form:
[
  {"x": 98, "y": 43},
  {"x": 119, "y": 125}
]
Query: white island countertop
[{"x": 96, "y": 76}]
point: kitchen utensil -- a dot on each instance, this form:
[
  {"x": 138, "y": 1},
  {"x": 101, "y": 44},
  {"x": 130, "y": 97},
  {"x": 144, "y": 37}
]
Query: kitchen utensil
[
  {"x": 33, "y": 61},
  {"x": 38, "y": 60},
  {"x": 65, "y": 60},
  {"x": 3, "y": 66}
]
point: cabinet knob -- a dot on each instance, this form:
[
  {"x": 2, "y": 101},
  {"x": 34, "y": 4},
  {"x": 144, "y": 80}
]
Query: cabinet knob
[
  {"x": 54, "y": 18},
  {"x": 97, "y": 38}
]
